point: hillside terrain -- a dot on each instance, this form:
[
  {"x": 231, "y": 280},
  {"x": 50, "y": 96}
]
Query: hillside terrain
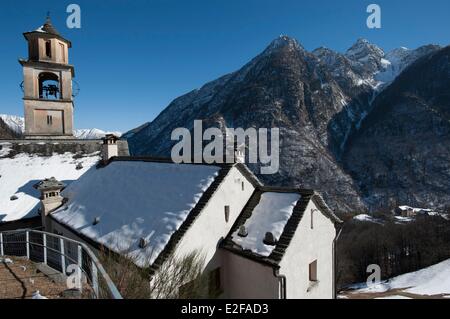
[{"x": 321, "y": 101}]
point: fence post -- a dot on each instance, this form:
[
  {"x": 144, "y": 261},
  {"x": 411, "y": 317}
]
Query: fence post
[
  {"x": 1, "y": 244},
  {"x": 80, "y": 265},
  {"x": 27, "y": 239},
  {"x": 63, "y": 258},
  {"x": 45, "y": 247},
  {"x": 94, "y": 279}
]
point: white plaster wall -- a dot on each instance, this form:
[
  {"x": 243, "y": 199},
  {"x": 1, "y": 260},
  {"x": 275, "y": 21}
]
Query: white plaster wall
[
  {"x": 306, "y": 246},
  {"x": 210, "y": 226},
  {"x": 244, "y": 278},
  {"x": 109, "y": 150}
]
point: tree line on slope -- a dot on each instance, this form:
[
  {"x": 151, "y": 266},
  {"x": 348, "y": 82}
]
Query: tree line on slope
[{"x": 397, "y": 248}]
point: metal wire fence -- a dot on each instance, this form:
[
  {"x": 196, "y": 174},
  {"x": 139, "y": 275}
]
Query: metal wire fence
[{"x": 69, "y": 257}]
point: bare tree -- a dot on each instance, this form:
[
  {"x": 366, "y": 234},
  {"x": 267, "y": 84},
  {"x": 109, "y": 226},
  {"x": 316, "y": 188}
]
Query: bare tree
[{"x": 179, "y": 277}]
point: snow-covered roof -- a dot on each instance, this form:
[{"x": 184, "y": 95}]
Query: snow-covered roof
[
  {"x": 274, "y": 210},
  {"x": 270, "y": 215},
  {"x": 19, "y": 173},
  {"x": 416, "y": 210},
  {"x": 134, "y": 200},
  {"x": 47, "y": 27},
  {"x": 49, "y": 184}
]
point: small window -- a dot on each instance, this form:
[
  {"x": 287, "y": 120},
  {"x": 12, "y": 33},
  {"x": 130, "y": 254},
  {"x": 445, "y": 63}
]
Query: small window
[
  {"x": 243, "y": 186},
  {"x": 214, "y": 283},
  {"x": 227, "y": 213},
  {"x": 313, "y": 271},
  {"x": 312, "y": 218},
  {"x": 48, "y": 49},
  {"x": 49, "y": 120}
]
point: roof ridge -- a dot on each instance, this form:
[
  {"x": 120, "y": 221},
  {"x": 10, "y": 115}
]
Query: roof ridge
[
  {"x": 284, "y": 189},
  {"x": 156, "y": 159},
  {"x": 290, "y": 228}
]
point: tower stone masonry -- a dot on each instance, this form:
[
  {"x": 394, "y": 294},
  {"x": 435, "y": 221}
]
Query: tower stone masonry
[{"x": 47, "y": 85}]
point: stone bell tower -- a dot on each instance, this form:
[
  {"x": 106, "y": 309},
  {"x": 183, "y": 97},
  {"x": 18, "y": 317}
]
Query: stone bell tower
[{"x": 47, "y": 84}]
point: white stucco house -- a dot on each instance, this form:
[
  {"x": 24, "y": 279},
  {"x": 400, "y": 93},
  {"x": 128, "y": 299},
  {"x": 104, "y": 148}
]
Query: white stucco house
[{"x": 260, "y": 242}]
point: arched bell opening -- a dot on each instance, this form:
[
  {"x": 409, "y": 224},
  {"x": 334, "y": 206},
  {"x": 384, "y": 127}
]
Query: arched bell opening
[{"x": 49, "y": 87}]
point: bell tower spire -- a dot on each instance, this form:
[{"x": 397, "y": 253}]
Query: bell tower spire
[{"x": 47, "y": 84}]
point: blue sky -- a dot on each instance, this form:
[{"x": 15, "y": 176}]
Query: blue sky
[{"x": 132, "y": 58}]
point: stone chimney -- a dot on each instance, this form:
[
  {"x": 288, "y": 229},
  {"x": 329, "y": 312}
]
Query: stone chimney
[
  {"x": 235, "y": 152},
  {"x": 51, "y": 198},
  {"x": 239, "y": 153},
  {"x": 110, "y": 147}
]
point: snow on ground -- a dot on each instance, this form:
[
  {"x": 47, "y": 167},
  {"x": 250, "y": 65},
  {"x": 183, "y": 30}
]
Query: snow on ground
[
  {"x": 393, "y": 297},
  {"x": 6, "y": 260},
  {"x": 37, "y": 295},
  {"x": 135, "y": 200},
  {"x": 419, "y": 210},
  {"x": 367, "y": 218},
  {"x": 402, "y": 219},
  {"x": 20, "y": 173},
  {"x": 5, "y": 149},
  {"x": 270, "y": 215},
  {"x": 434, "y": 280}
]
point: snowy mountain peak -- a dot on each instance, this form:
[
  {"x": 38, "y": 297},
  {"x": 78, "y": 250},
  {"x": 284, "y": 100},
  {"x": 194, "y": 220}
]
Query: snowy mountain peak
[
  {"x": 92, "y": 134},
  {"x": 327, "y": 55},
  {"x": 399, "y": 59},
  {"x": 397, "y": 54},
  {"x": 363, "y": 49},
  {"x": 284, "y": 41},
  {"x": 322, "y": 49},
  {"x": 17, "y": 124}
]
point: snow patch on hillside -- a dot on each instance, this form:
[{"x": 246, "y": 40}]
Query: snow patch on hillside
[
  {"x": 367, "y": 218},
  {"x": 434, "y": 280}
]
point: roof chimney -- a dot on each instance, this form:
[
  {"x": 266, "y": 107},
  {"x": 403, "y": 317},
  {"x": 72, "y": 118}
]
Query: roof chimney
[
  {"x": 51, "y": 198},
  {"x": 269, "y": 239},
  {"x": 110, "y": 147},
  {"x": 243, "y": 231}
]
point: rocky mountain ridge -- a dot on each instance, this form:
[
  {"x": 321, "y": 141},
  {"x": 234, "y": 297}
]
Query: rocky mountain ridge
[{"x": 318, "y": 99}]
